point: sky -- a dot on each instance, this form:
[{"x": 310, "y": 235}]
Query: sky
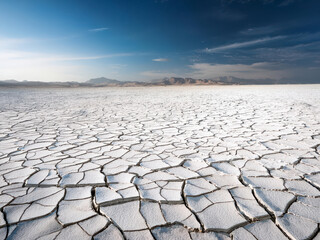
[{"x": 139, "y": 40}]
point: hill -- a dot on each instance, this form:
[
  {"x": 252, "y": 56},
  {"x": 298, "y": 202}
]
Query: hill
[{"x": 106, "y": 82}]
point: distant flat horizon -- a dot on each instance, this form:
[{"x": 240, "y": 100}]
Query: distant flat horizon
[{"x": 175, "y": 81}]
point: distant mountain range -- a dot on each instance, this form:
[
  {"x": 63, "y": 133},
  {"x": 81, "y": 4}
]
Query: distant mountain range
[
  {"x": 96, "y": 82},
  {"x": 106, "y": 82},
  {"x": 102, "y": 81},
  {"x": 227, "y": 80}
]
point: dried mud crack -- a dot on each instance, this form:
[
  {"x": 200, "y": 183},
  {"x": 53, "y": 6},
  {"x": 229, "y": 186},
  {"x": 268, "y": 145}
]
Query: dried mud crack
[{"x": 212, "y": 162}]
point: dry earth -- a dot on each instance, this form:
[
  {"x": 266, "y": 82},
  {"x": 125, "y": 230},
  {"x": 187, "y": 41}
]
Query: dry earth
[{"x": 207, "y": 162}]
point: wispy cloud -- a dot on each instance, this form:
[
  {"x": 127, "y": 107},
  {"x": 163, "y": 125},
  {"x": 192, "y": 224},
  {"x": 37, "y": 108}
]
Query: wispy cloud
[
  {"x": 79, "y": 58},
  {"x": 259, "y": 30},
  {"x": 99, "y": 29},
  {"x": 160, "y": 60},
  {"x": 47, "y": 67},
  {"x": 41, "y": 57},
  {"x": 9, "y": 42},
  {"x": 242, "y": 44}
]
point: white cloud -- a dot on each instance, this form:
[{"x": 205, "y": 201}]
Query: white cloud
[
  {"x": 17, "y": 62},
  {"x": 9, "y": 42},
  {"x": 42, "y": 57},
  {"x": 22, "y": 65},
  {"x": 160, "y": 60},
  {"x": 42, "y": 72},
  {"x": 55, "y": 71},
  {"x": 260, "y": 70},
  {"x": 79, "y": 58},
  {"x": 98, "y": 29},
  {"x": 242, "y": 44}
]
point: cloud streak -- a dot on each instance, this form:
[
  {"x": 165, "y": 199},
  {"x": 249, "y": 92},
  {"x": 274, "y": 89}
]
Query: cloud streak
[
  {"x": 47, "y": 67},
  {"x": 259, "y": 30},
  {"x": 160, "y": 60},
  {"x": 38, "y": 57},
  {"x": 243, "y": 44},
  {"x": 99, "y": 29},
  {"x": 12, "y": 42}
]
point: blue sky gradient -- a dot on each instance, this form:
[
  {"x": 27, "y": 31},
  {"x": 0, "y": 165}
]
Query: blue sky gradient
[{"x": 57, "y": 40}]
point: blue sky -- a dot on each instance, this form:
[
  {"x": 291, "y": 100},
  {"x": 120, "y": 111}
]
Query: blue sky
[{"x": 62, "y": 40}]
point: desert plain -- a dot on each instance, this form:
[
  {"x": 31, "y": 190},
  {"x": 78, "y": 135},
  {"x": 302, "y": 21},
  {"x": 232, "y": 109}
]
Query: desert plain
[{"x": 188, "y": 162}]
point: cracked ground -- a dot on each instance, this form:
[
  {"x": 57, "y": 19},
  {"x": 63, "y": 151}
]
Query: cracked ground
[{"x": 213, "y": 162}]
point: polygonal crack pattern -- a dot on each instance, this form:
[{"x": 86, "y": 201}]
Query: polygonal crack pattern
[{"x": 160, "y": 163}]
